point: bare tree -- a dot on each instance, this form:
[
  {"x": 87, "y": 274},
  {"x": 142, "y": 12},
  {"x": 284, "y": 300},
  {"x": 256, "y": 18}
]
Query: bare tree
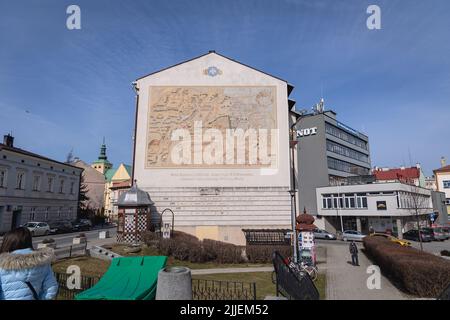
[{"x": 418, "y": 203}]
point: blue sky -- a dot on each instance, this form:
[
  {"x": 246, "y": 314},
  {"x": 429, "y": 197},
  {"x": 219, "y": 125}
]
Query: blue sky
[{"x": 62, "y": 89}]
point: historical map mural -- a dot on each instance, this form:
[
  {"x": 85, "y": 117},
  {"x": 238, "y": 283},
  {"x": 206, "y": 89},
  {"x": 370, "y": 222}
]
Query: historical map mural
[{"x": 214, "y": 107}]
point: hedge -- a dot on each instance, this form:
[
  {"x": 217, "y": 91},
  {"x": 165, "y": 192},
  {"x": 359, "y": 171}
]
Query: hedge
[
  {"x": 186, "y": 247},
  {"x": 418, "y": 273},
  {"x": 263, "y": 253}
]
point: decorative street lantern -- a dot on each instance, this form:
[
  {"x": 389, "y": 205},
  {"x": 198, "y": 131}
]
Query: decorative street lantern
[
  {"x": 306, "y": 245},
  {"x": 134, "y": 215}
]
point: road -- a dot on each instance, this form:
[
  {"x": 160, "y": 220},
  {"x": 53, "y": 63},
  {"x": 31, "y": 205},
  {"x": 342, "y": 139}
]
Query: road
[
  {"x": 65, "y": 239},
  {"x": 434, "y": 247}
]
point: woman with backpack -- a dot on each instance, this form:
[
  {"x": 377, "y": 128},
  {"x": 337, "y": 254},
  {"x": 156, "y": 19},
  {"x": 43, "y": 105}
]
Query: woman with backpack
[{"x": 25, "y": 274}]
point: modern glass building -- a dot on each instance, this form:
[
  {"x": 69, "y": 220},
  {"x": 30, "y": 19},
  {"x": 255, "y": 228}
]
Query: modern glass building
[{"x": 329, "y": 153}]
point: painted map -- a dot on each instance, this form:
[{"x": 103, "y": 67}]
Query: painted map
[{"x": 217, "y": 107}]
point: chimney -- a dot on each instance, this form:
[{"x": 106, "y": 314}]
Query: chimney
[
  {"x": 418, "y": 165},
  {"x": 402, "y": 168},
  {"x": 8, "y": 140},
  {"x": 443, "y": 162}
]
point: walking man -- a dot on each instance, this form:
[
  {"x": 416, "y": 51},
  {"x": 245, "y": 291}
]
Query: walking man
[{"x": 354, "y": 252}]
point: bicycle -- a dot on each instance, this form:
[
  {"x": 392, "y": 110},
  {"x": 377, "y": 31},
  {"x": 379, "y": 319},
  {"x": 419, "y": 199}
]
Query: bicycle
[{"x": 301, "y": 268}]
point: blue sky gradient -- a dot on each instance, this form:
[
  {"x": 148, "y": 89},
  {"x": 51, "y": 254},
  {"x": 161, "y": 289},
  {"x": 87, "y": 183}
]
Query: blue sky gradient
[{"x": 63, "y": 89}]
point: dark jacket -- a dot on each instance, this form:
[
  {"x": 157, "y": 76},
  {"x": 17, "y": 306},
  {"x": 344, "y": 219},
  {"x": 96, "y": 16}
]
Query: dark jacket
[{"x": 353, "y": 248}]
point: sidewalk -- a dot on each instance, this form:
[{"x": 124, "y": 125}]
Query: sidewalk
[{"x": 347, "y": 282}]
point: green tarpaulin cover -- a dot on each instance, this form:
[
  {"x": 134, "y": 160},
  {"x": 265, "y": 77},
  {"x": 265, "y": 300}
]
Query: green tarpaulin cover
[{"x": 128, "y": 278}]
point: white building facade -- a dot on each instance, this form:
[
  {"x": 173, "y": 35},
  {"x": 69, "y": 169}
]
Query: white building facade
[
  {"x": 35, "y": 188},
  {"x": 379, "y": 206},
  {"x": 212, "y": 193}
]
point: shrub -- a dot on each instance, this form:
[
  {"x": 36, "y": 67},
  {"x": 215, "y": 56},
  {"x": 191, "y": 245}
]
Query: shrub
[
  {"x": 419, "y": 273},
  {"x": 263, "y": 253},
  {"x": 182, "y": 246},
  {"x": 222, "y": 252},
  {"x": 445, "y": 253}
]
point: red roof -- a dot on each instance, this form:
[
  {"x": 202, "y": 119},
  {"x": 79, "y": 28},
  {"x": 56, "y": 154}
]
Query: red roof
[
  {"x": 397, "y": 174},
  {"x": 443, "y": 169}
]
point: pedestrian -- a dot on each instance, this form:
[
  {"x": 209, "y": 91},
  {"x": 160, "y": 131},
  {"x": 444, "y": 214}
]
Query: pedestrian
[
  {"x": 25, "y": 274},
  {"x": 354, "y": 252}
]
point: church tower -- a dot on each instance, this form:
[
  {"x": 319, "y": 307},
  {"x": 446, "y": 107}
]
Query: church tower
[{"x": 102, "y": 164}]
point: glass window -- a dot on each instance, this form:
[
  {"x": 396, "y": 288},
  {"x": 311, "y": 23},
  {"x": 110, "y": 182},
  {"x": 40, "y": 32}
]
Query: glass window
[
  {"x": 3, "y": 178},
  {"x": 20, "y": 183},
  {"x": 50, "y": 184},
  {"x": 36, "y": 183},
  {"x": 61, "y": 186},
  {"x": 344, "y": 166},
  {"x": 446, "y": 184},
  {"x": 343, "y": 135},
  {"x": 347, "y": 152}
]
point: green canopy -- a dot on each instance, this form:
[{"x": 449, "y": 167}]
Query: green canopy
[{"x": 128, "y": 278}]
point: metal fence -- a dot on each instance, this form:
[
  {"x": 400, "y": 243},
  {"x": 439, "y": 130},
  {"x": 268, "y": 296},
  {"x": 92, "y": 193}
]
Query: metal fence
[
  {"x": 222, "y": 290},
  {"x": 291, "y": 285},
  {"x": 201, "y": 289},
  {"x": 267, "y": 236},
  {"x": 64, "y": 293},
  {"x": 71, "y": 251}
]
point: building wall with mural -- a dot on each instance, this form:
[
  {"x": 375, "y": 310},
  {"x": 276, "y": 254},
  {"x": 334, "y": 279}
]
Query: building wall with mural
[{"x": 212, "y": 144}]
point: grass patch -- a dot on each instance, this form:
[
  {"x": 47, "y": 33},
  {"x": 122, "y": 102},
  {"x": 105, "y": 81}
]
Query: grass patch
[{"x": 90, "y": 267}]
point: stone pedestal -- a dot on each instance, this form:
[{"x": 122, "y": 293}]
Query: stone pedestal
[
  {"x": 174, "y": 283},
  {"x": 46, "y": 245},
  {"x": 79, "y": 240}
]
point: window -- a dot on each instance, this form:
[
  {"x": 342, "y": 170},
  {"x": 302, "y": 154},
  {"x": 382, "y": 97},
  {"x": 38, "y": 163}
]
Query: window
[
  {"x": 2, "y": 178},
  {"x": 347, "y": 201},
  {"x": 61, "y": 186},
  {"x": 344, "y": 166},
  {"x": 447, "y": 201},
  {"x": 59, "y": 212},
  {"x": 36, "y": 183},
  {"x": 50, "y": 184},
  {"x": 47, "y": 210},
  {"x": 72, "y": 187},
  {"x": 20, "y": 183},
  {"x": 32, "y": 213},
  {"x": 347, "y": 152},
  {"x": 446, "y": 184},
  {"x": 70, "y": 212},
  {"x": 343, "y": 135}
]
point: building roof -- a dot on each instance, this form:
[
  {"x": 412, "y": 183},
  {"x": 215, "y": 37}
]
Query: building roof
[
  {"x": 397, "y": 174},
  {"x": 34, "y": 155},
  {"x": 109, "y": 174},
  {"x": 134, "y": 197},
  {"x": 289, "y": 86},
  {"x": 128, "y": 168},
  {"x": 443, "y": 169}
]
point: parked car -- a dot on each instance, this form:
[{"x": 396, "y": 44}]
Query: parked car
[
  {"x": 322, "y": 234},
  {"x": 61, "y": 227},
  {"x": 438, "y": 233},
  {"x": 414, "y": 235},
  {"x": 392, "y": 238},
  {"x": 446, "y": 231},
  {"x": 38, "y": 228},
  {"x": 82, "y": 225},
  {"x": 352, "y": 235}
]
